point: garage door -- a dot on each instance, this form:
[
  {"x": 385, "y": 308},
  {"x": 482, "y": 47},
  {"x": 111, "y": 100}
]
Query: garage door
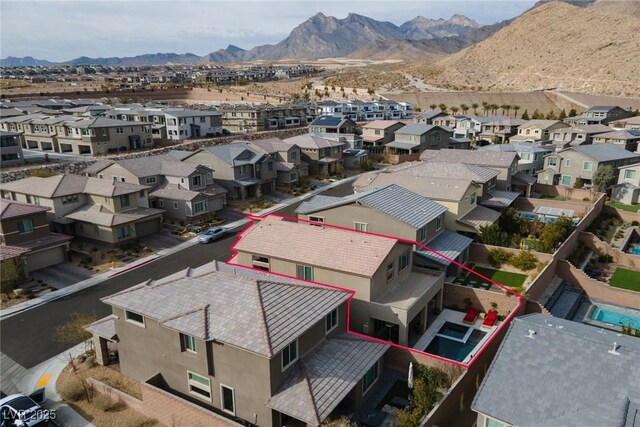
[
  {"x": 45, "y": 258},
  {"x": 147, "y": 227}
]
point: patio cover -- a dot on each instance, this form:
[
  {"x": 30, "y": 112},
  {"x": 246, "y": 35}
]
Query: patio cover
[
  {"x": 500, "y": 199},
  {"x": 315, "y": 385},
  {"x": 402, "y": 145},
  {"x": 449, "y": 244},
  {"x": 104, "y": 328},
  {"x": 479, "y": 217}
]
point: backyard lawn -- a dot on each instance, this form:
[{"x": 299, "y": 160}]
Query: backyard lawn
[
  {"x": 512, "y": 280},
  {"x": 628, "y": 208},
  {"x": 625, "y": 279}
]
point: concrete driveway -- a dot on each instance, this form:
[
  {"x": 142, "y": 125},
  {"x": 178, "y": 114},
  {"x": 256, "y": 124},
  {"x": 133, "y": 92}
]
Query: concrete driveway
[
  {"x": 161, "y": 240},
  {"x": 61, "y": 275}
]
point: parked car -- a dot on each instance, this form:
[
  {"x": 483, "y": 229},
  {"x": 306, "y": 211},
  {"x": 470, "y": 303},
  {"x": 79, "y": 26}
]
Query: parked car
[
  {"x": 22, "y": 411},
  {"x": 211, "y": 235}
]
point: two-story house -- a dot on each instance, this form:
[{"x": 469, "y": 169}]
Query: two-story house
[
  {"x": 599, "y": 115},
  {"x": 244, "y": 171},
  {"x": 186, "y": 191},
  {"x": 394, "y": 211},
  {"x": 627, "y": 138},
  {"x": 632, "y": 123},
  {"x": 111, "y": 212},
  {"x": 427, "y": 117},
  {"x": 254, "y": 118},
  {"x": 26, "y": 239},
  {"x": 341, "y": 129},
  {"x": 530, "y": 154},
  {"x": 576, "y": 135},
  {"x": 627, "y": 190},
  {"x": 566, "y": 166},
  {"x": 416, "y": 138},
  {"x": 380, "y": 132},
  {"x": 251, "y": 346},
  {"x": 183, "y": 123},
  {"x": 537, "y": 130},
  {"x": 11, "y": 148},
  {"x": 392, "y": 299},
  {"x": 324, "y": 156},
  {"x": 288, "y": 157},
  {"x": 499, "y": 130}
]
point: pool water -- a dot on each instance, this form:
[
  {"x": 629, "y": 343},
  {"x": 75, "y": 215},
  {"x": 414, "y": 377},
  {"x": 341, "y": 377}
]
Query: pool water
[
  {"x": 453, "y": 330},
  {"x": 454, "y": 350},
  {"x": 615, "y": 318},
  {"x": 635, "y": 249}
]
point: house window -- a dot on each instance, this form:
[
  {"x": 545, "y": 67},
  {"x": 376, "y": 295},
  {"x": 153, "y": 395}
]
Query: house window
[
  {"x": 566, "y": 180},
  {"x": 403, "y": 261},
  {"x": 196, "y": 181},
  {"x": 198, "y": 207},
  {"x": 493, "y": 423},
  {"x": 630, "y": 174},
  {"x": 472, "y": 198},
  {"x": 361, "y": 226},
  {"x": 73, "y": 198},
  {"x": 228, "y": 399},
  {"x": 150, "y": 180},
  {"x": 438, "y": 223},
  {"x": 553, "y": 161},
  {"x": 331, "y": 321},
  {"x": 389, "y": 272},
  {"x": 293, "y": 177},
  {"x": 422, "y": 234},
  {"x": 289, "y": 354},
  {"x": 243, "y": 169},
  {"x": 132, "y": 317},
  {"x": 175, "y": 205},
  {"x": 377, "y": 131},
  {"x": 525, "y": 156},
  {"x": 270, "y": 166},
  {"x": 567, "y": 162},
  {"x": 189, "y": 343},
  {"x": 124, "y": 200},
  {"x": 25, "y": 225},
  {"x": 304, "y": 272},
  {"x": 587, "y": 166},
  {"x": 294, "y": 155},
  {"x": 316, "y": 219},
  {"x": 122, "y": 232},
  {"x": 370, "y": 378},
  {"x": 119, "y": 130},
  {"x": 161, "y": 203},
  {"x": 36, "y": 199},
  {"x": 199, "y": 386}
]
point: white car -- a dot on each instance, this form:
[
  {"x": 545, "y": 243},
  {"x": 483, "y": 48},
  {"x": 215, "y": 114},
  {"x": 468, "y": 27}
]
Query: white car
[{"x": 22, "y": 411}]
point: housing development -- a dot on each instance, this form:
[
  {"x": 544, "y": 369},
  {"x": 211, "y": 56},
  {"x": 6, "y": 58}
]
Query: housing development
[{"x": 288, "y": 236}]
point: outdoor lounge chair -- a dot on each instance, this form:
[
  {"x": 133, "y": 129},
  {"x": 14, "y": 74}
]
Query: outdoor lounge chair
[
  {"x": 490, "y": 319},
  {"x": 471, "y": 316}
]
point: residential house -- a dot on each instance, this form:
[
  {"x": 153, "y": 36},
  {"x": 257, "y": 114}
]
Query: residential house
[
  {"x": 449, "y": 121},
  {"x": 186, "y": 191},
  {"x": 324, "y": 156},
  {"x": 392, "y": 299},
  {"x": 471, "y": 126},
  {"x": 627, "y": 139},
  {"x": 250, "y": 346},
  {"x": 183, "y": 123},
  {"x": 366, "y": 110},
  {"x": 499, "y": 130},
  {"x": 537, "y": 130},
  {"x": 245, "y": 118},
  {"x": 632, "y": 123},
  {"x": 380, "y": 132},
  {"x": 341, "y": 129},
  {"x": 26, "y": 239},
  {"x": 289, "y": 164},
  {"x": 243, "y": 170},
  {"x": 599, "y": 115},
  {"x": 394, "y": 211},
  {"x": 427, "y": 118},
  {"x": 566, "y": 166},
  {"x": 552, "y": 389},
  {"x": 458, "y": 195},
  {"x": 627, "y": 190},
  {"x": 11, "y": 148},
  {"x": 530, "y": 155},
  {"x": 415, "y": 138},
  {"x": 111, "y": 212},
  {"x": 577, "y": 135},
  {"x": 355, "y": 159}
]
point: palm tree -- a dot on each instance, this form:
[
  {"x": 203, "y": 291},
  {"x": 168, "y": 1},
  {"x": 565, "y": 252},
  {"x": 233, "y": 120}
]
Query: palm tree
[
  {"x": 454, "y": 110},
  {"x": 443, "y": 107},
  {"x": 508, "y": 108},
  {"x": 515, "y": 110},
  {"x": 433, "y": 107},
  {"x": 464, "y": 108},
  {"x": 504, "y": 107},
  {"x": 494, "y": 109},
  {"x": 475, "y": 108},
  {"x": 485, "y": 106}
]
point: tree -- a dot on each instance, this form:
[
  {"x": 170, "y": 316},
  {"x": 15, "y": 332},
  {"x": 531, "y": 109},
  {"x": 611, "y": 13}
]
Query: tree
[
  {"x": 510, "y": 222},
  {"x": 464, "y": 108},
  {"x": 503, "y": 107},
  {"x": 551, "y": 115},
  {"x": 525, "y": 115},
  {"x": 515, "y": 110},
  {"x": 555, "y": 233},
  {"x": 454, "y": 110},
  {"x": 11, "y": 271},
  {"x": 433, "y": 107},
  {"x": 370, "y": 91},
  {"x": 494, "y": 109},
  {"x": 537, "y": 115},
  {"x": 333, "y": 88},
  {"x": 573, "y": 112},
  {"x": 508, "y": 108},
  {"x": 485, "y": 107},
  {"x": 493, "y": 235},
  {"x": 475, "y": 108},
  {"x": 443, "y": 107},
  {"x": 579, "y": 183},
  {"x": 603, "y": 178},
  {"x": 563, "y": 115}
]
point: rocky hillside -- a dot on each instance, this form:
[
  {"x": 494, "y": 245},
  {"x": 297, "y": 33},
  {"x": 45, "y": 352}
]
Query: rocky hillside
[
  {"x": 555, "y": 45},
  {"x": 425, "y": 28}
]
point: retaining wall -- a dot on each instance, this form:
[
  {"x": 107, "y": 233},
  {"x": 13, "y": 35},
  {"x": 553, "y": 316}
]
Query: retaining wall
[{"x": 620, "y": 258}]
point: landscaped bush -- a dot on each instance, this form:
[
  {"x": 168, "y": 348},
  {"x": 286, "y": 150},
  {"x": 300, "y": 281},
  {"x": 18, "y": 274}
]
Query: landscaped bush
[
  {"x": 340, "y": 422},
  {"x": 497, "y": 257},
  {"x": 524, "y": 261},
  {"x": 425, "y": 394},
  {"x": 605, "y": 259},
  {"x": 635, "y": 223},
  {"x": 105, "y": 403},
  {"x": 71, "y": 389}
]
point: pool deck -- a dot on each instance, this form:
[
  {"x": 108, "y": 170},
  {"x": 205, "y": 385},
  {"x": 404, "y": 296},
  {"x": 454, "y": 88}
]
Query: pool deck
[
  {"x": 591, "y": 307},
  {"x": 454, "y": 317}
]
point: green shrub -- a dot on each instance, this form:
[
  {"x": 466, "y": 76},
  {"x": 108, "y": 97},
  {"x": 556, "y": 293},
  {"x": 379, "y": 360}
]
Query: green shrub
[
  {"x": 524, "y": 261},
  {"x": 497, "y": 257},
  {"x": 635, "y": 223}
]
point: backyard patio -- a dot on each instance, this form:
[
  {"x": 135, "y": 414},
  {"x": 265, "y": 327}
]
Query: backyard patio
[{"x": 506, "y": 278}]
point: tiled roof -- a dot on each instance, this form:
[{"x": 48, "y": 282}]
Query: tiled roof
[
  {"x": 414, "y": 129},
  {"x": 236, "y": 153},
  {"x": 253, "y": 310},
  {"x": 103, "y": 187},
  {"x": 447, "y": 243},
  {"x": 315, "y": 385},
  {"x": 392, "y": 200},
  {"x": 52, "y": 239},
  {"x": 324, "y": 247},
  {"x": 402, "y": 145},
  {"x": 605, "y": 152},
  {"x": 156, "y": 165},
  {"x": 53, "y": 186},
  {"x": 479, "y": 217},
  {"x": 632, "y": 134},
  {"x": 500, "y": 199},
  {"x": 434, "y": 188},
  {"x": 311, "y": 141},
  {"x": 97, "y": 214},
  {"x": 177, "y": 192},
  {"x": 446, "y": 170},
  {"x": 561, "y": 373},
  {"x": 470, "y": 157},
  {"x": 541, "y": 124},
  {"x": 271, "y": 145},
  {"x": 521, "y": 146},
  {"x": 8, "y": 252},
  {"x": 523, "y": 177},
  {"x": 381, "y": 124},
  {"x": 13, "y": 209},
  {"x": 105, "y": 327},
  {"x": 97, "y": 167}
]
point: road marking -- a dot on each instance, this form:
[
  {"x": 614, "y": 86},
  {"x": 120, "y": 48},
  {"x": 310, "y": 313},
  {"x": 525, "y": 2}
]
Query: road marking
[{"x": 44, "y": 380}]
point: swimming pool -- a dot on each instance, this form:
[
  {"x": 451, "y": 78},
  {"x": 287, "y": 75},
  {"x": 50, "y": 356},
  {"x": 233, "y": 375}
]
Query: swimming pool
[
  {"x": 454, "y": 341},
  {"x": 615, "y": 317},
  {"x": 635, "y": 249}
]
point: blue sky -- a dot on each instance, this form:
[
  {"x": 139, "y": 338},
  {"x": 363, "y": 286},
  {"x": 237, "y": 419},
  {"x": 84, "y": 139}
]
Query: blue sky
[{"x": 63, "y": 30}]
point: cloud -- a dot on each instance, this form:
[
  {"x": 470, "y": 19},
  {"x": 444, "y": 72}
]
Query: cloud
[{"x": 62, "y": 30}]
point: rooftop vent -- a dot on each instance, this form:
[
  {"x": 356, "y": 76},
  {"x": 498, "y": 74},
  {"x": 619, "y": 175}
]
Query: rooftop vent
[
  {"x": 531, "y": 333},
  {"x": 614, "y": 349}
]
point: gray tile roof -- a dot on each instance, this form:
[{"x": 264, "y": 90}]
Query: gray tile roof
[
  {"x": 97, "y": 214},
  {"x": 469, "y": 157},
  {"x": 105, "y": 327},
  {"x": 563, "y": 376},
  {"x": 97, "y": 167},
  {"x": 253, "y": 310},
  {"x": 50, "y": 187},
  {"x": 523, "y": 177},
  {"x": 605, "y": 152},
  {"x": 177, "y": 192},
  {"x": 271, "y": 145},
  {"x": 446, "y": 170},
  {"x": 103, "y": 187},
  {"x": 414, "y": 129},
  {"x": 500, "y": 199},
  {"x": 392, "y": 200},
  {"x": 521, "y": 146},
  {"x": 179, "y": 154},
  {"x": 479, "y": 217},
  {"x": 237, "y": 153},
  {"x": 313, "y": 142},
  {"x": 315, "y": 385},
  {"x": 13, "y": 209},
  {"x": 434, "y": 188},
  {"x": 402, "y": 145},
  {"x": 449, "y": 244},
  {"x": 627, "y": 134}
]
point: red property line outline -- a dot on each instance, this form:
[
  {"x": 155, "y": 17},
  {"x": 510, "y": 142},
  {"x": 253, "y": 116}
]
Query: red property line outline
[{"x": 504, "y": 324}]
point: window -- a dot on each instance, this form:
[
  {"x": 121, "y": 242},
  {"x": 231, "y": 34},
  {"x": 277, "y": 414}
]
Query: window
[
  {"x": 377, "y": 131},
  {"x": 198, "y": 207},
  {"x": 304, "y": 272},
  {"x": 36, "y": 199},
  {"x": 472, "y": 198},
  {"x": 293, "y": 177},
  {"x": 331, "y": 321},
  {"x": 630, "y": 174},
  {"x": 150, "y": 180},
  {"x": 316, "y": 219},
  {"x": 525, "y": 156},
  {"x": 438, "y": 223},
  {"x": 122, "y": 179},
  {"x": 553, "y": 161},
  {"x": 403, "y": 261},
  {"x": 370, "y": 378},
  {"x": 132, "y": 317},
  {"x": 196, "y": 181},
  {"x": 360, "y": 226},
  {"x": 124, "y": 200},
  {"x": 73, "y": 198},
  {"x": 203, "y": 119},
  {"x": 566, "y": 180},
  {"x": 493, "y": 423},
  {"x": 199, "y": 386},
  {"x": 567, "y": 162},
  {"x": 422, "y": 234},
  {"x": 119, "y": 130},
  {"x": 189, "y": 343},
  {"x": 389, "y": 272},
  {"x": 289, "y": 354},
  {"x": 587, "y": 166},
  {"x": 243, "y": 169},
  {"x": 294, "y": 155},
  {"x": 270, "y": 166},
  {"x": 25, "y": 225},
  {"x": 175, "y": 205},
  {"x": 228, "y": 399},
  {"x": 122, "y": 232}
]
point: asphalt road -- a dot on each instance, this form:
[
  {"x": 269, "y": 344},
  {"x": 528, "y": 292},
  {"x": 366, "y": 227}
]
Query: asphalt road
[{"x": 29, "y": 338}]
